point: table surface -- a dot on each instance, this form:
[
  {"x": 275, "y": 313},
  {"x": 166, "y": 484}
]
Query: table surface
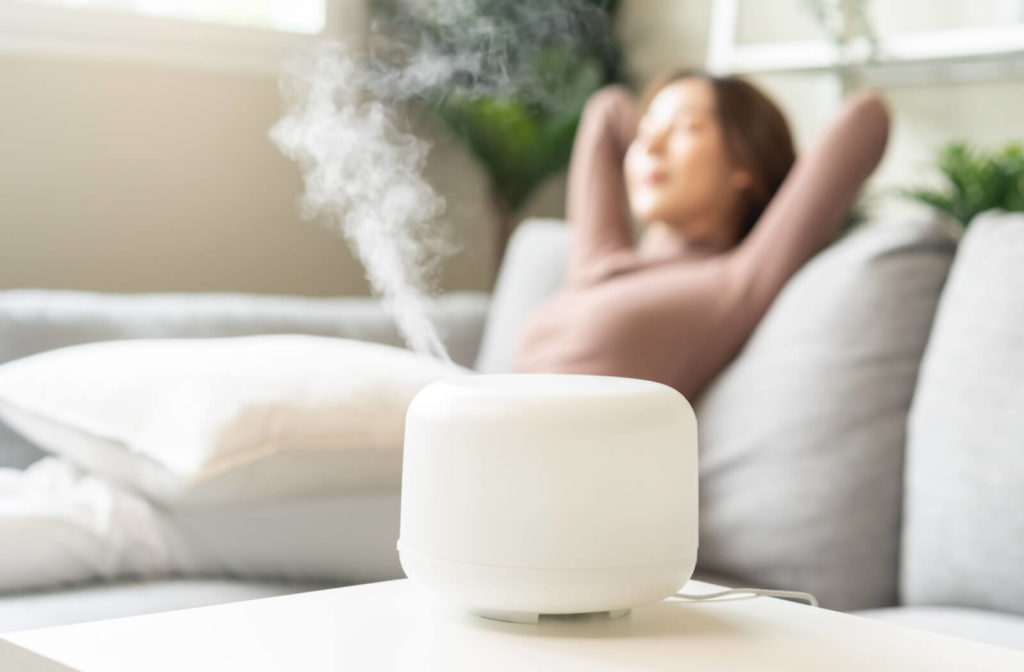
[{"x": 395, "y": 625}]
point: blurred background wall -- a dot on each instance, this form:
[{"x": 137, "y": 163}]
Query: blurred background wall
[{"x": 120, "y": 175}]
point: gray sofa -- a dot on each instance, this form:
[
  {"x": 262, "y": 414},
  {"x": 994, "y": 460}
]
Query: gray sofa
[{"x": 867, "y": 445}]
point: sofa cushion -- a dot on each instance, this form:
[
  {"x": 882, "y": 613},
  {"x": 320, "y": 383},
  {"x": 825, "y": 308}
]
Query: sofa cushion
[
  {"x": 193, "y": 422},
  {"x": 802, "y": 436},
  {"x": 964, "y": 509},
  {"x": 991, "y": 627},
  {"x": 532, "y": 270}
]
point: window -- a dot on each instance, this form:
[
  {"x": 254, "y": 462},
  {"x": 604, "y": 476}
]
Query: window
[
  {"x": 248, "y": 35},
  {"x": 915, "y": 38},
  {"x": 293, "y": 16}
]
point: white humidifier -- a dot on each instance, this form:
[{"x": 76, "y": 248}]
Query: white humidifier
[{"x": 532, "y": 494}]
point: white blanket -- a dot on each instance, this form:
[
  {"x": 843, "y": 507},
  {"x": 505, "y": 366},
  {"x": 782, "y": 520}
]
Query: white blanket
[{"x": 62, "y": 526}]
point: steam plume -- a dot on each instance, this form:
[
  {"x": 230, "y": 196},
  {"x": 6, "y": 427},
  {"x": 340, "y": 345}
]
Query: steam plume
[{"x": 345, "y": 127}]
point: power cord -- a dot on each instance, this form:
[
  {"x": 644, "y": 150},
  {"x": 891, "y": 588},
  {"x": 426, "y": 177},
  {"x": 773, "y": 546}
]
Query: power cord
[{"x": 813, "y": 601}]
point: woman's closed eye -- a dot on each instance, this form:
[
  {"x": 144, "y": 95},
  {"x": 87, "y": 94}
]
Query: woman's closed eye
[
  {"x": 688, "y": 125},
  {"x": 648, "y": 129}
]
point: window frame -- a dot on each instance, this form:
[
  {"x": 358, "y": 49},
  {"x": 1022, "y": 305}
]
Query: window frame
[
  {"x": 942, "y": 55},
  {"x": 57, "y": 30}
]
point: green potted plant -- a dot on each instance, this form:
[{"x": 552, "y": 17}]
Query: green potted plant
[
  {"x": 976, "y": 180},
  {"x": 555, "y": 55}
]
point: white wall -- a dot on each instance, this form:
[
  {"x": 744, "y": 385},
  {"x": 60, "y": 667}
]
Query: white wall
[
  {"x": 127, "y": 177},
  {"x": 121, "y": 176}
]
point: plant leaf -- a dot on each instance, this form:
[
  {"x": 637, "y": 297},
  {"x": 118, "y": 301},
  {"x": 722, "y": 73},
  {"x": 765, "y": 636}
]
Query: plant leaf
[{"x": 976, "y": 181}]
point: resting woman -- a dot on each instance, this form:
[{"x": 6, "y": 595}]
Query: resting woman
[{"x": 708, "y": 168}]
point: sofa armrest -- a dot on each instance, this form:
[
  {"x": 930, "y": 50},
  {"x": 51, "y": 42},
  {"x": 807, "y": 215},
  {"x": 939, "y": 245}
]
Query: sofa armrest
[{"x": 35, "y": 320}]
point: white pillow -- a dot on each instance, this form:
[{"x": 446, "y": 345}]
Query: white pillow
[{"x": 197, "y": 421}]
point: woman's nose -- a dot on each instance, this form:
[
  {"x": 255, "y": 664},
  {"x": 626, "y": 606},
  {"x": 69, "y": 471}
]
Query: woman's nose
[{"x": 656, "y": 141}]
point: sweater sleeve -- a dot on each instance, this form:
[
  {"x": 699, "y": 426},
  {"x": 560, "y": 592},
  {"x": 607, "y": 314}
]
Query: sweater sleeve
[
  {"x": 806, "y": 212},
  {"x": 596, "y": 202}
]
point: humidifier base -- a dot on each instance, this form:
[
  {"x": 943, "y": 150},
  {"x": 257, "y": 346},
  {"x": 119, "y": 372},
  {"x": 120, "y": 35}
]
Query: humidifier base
[
  {"x": 522, "y": 594},
  {"x": 532, "y": 617}
]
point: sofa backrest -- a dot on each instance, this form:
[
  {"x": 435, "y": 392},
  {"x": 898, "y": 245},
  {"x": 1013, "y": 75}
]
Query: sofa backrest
[
  {"x": 532, "y": 270},
  {"x": 963, "y": 541},
  {"x": 802, "y": 436}
]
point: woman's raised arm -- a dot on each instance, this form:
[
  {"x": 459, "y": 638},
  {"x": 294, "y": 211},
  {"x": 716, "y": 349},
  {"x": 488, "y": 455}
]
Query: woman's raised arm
[
  {"x": 805, "y": 214},
  {"x": 596, "y": 202}
]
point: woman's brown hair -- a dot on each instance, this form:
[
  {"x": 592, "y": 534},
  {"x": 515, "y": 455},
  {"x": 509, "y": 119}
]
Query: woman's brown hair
[{"x": 756, "y": 135}]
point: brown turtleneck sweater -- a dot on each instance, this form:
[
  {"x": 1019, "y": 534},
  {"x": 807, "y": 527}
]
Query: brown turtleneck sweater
[{"x": 680, "y": 316}]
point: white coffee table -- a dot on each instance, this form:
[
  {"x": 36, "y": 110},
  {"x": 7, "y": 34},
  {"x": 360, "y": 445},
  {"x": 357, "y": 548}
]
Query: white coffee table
[{"x": 392, "y": 625}]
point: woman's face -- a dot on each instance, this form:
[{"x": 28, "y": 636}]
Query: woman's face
[{"x": 677, "y": 168}]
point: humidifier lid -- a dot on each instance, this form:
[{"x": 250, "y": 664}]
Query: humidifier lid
[{"x": 550, "y": 470}]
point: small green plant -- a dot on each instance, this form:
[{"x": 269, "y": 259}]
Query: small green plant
[
  {"x": 549, "y": 58},
  {"x": 977, "y": 180}
]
